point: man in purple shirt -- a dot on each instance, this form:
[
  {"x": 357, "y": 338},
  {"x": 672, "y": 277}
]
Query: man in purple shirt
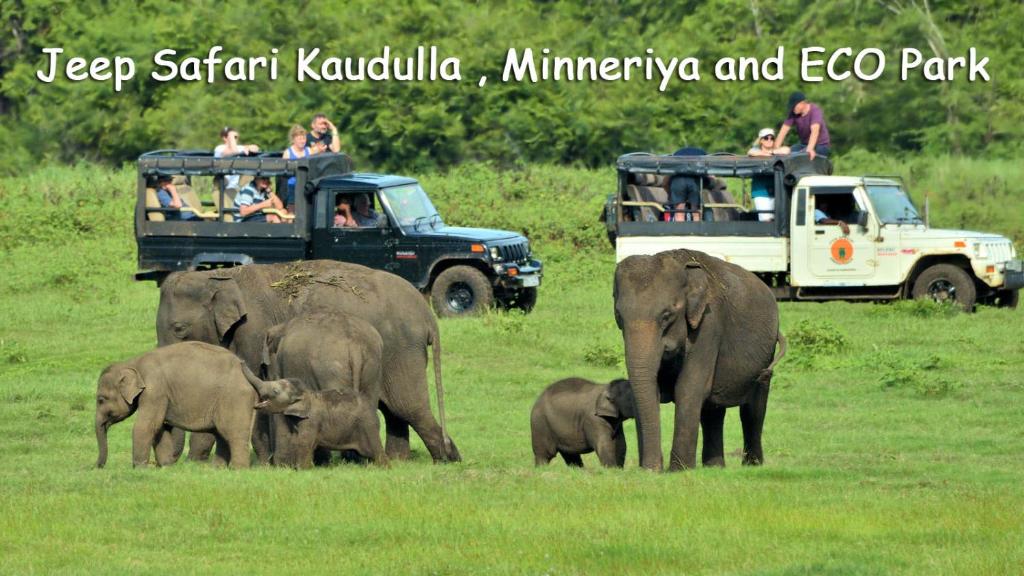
[{"x": 810, "y": 127}]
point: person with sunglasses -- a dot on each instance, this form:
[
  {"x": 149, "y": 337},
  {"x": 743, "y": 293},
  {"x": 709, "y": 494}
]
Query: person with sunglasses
[{"x": 761, "y": 186}]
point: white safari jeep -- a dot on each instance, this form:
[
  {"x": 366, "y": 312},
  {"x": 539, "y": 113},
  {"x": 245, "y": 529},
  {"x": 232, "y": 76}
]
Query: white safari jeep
[{"x": 827, "y": 237}]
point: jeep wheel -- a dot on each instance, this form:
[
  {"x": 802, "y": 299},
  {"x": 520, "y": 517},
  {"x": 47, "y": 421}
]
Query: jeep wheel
[
  {"x": 946, "y": 283},
  {"x": 461, "y": 291}
]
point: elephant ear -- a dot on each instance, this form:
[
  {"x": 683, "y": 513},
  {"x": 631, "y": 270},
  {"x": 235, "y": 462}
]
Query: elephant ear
[
  {"x": 696, "y": 294},
  {"x": 605, "y": 407},
  {"x": 130, "y": 384},
  {"x": 228, "y": 308},
  {"x": 298, "y": 409}
]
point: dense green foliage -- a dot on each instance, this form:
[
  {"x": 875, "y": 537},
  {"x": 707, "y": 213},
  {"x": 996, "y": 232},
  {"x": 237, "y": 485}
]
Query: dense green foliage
[
  {"x": 411, "y": 126},
  {"x": 892, "y": 438}
]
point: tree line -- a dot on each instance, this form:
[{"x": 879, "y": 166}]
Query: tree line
[{"x": 417, "y": 126}]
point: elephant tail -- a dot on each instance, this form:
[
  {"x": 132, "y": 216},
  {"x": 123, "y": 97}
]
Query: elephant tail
[
  {"x": 765, "y": 377},
  {"x": 435, "y": 348}
]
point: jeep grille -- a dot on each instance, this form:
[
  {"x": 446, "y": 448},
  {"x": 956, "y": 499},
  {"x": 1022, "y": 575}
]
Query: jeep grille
[
  {"x": 999, "y": 251},
  {"x": 515, "y": 252}
]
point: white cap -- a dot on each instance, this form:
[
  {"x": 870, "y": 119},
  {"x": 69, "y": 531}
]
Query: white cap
[{"x": 765, "y": 132}]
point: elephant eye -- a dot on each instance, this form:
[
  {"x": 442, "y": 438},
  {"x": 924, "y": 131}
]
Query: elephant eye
[
  {"x": 666, "y": 318},
  {"x": 99, "y": 399},
  {"x": 180, "y": 329}
]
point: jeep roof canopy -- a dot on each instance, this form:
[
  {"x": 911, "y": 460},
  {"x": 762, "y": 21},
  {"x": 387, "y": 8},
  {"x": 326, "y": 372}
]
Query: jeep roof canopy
[
  {"x": 793, "y": 166},
  {"x": 202, "y": 162}
]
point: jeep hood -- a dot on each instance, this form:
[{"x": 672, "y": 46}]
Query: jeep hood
[
  {"x": 468, "y": 234},
  {"x": 951, "y": 235}
]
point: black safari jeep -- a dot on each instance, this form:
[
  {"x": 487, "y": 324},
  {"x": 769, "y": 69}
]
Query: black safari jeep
[{"x": 464, "y": 270}]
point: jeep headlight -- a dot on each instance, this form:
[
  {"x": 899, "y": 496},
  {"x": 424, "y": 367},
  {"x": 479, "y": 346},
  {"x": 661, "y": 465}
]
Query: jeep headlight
[
  {"x": 980, "y": 251},
  {"x": 495, "y": 253}
]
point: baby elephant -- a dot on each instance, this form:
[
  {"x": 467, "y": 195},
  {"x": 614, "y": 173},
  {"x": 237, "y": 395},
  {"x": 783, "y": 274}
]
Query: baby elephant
[
  {"x": 190, "y": 385},
  {"x": 576, "y": 416},
  {"x": 332, "y": 419}
]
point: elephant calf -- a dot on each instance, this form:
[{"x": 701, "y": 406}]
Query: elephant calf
[
  {"x": 333, "y": 419},
  {"x": 576, "y": 416},
  {"x": 192, "y": 386}
]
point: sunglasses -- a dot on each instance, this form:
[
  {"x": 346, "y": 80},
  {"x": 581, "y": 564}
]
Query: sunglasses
[{"x": 767, "y": 137}]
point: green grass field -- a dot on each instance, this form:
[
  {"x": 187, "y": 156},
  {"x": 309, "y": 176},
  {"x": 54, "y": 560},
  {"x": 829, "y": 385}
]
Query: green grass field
[{"x": 893, "y": 439}]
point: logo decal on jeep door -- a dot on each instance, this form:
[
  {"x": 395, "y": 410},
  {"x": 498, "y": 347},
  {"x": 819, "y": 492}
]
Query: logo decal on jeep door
[{"x": 842, "y": 251}]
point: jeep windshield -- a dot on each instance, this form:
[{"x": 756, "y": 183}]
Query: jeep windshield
[
  {"x": 412, "y": 207},
  {"x": 893, "y": 205}
]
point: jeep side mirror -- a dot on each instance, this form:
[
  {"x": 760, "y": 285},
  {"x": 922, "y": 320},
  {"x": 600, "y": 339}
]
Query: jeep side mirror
[{"x": 862, "y": 220}]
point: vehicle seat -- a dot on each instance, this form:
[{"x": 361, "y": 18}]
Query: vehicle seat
[
  {"x": 722, "y": 205},
  {"x": 153, "y": 202},
  {"x": 229, "y": 203},
  {"x": 648, "y": 188},
  {"x": 191, "y": 198}
]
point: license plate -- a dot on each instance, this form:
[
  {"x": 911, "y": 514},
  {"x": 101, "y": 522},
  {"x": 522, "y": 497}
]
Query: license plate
[{"x": 529, "y": 281}]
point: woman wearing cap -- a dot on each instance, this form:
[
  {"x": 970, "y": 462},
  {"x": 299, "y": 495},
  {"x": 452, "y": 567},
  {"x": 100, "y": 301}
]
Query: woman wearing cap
[{"x": 761, "y": 186}]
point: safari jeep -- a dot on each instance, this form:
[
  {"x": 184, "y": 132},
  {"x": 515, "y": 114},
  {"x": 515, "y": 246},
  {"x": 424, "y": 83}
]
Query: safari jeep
[
  {"x": 463, "y": 270},
  {"x": 889, "y": 252}
]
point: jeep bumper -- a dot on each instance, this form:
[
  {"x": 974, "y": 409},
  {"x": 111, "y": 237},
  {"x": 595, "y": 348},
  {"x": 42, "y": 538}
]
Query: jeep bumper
[
  {"x": 517, "y": 276},
  {"x": 1013, "y": 276}
]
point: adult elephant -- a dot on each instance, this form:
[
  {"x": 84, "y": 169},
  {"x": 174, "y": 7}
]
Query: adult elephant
[
  {"x": 699, "y": 332},
  {"x": 235, "y": 307}
]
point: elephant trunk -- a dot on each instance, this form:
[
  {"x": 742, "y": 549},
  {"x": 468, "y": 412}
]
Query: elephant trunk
[
  {"x": 262, "y": 388},
  {"x": 643, "y": 359},
  {"x": 101, "y": 439}
]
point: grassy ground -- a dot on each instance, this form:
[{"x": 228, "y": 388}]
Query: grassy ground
[{"x": 893, "y": 439}]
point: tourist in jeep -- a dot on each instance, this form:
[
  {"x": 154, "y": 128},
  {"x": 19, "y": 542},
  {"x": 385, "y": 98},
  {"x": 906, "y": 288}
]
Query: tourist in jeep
[
  {"x": 809, "y": 121},
  {"x": 762, "y": 186},
  {"x": 229, "y": 147},
  {"x": 297, "y": 149},
  {"x": 254, "y": 198},
  {"x": 365, "y": 216},
  {"x": 343, "y": 217},
  {"x": 323, "y": 136},
  {"x": 167, "y": 194}
]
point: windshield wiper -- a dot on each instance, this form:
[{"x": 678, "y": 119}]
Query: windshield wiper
[
  {"x": 416, "y": 222},
  {"x": 432, "y": 220}
]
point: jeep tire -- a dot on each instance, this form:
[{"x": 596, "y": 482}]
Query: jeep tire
[
  {"x": 947, "y": 283},
  {"x": 461, "y": 291}
]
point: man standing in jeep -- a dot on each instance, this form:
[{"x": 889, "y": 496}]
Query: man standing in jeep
[
  {"x": 324, "y": 135},
  {"x": 810, "y": 126}
]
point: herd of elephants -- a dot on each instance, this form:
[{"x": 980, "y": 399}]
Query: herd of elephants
[{"x": 293, "y": 361}]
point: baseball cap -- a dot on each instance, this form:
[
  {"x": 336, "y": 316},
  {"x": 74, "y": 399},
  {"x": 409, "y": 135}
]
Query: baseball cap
[
  {"x": 794, "y": 99},
  {"x": 765, "y": 132}
]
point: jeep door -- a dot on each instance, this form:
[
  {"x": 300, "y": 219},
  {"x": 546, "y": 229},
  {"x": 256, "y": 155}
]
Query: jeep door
[
  {"x": 371, "y": 246},
  {"x": 832, "y": 256}
]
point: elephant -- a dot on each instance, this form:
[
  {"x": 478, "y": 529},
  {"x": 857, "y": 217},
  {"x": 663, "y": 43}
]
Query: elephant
[
  {"x": 324, "y": 352},
  {"x": 576, "y": 416},
  {"x": 234, "y": 307},
  {"x": 700, "y": 332},
  {"x": 334, "y": 419},
  {"x": 191, "y": 386}
]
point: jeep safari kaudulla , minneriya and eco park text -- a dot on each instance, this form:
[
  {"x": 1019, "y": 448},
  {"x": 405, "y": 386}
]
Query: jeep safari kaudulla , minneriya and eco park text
[
  {"x": 888, "y": 253},
  {"x": 463, "y": 270}
]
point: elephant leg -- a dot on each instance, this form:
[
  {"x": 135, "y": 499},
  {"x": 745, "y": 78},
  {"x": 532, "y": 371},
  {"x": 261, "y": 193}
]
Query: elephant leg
[
  {"x": 222, "y": 453},
  {"x": 200, "y": 444},
  {"x": 178, "y": 438},
  {"x": 283, "y": 438},
  {"x": 321, "y": 456},
  {"x": 712, "y": 424},
  {"x": 406, "y": 396},
  {"x": 148, "y": 423},
  {"x": 620, "y": 449},
  {"x": 397, "y": 432},
  {"x": 692, "y": 388},
  {"x": 166, "y": 446},
  {"x": 238, "y": 448},
  {"x": 607, "y": 452},
  {"x": 752, "y": 417},
  {"x": 543, "y": 447},
  {"x": 261, "y": 438},
  {"x": 574, "y": 460}
]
